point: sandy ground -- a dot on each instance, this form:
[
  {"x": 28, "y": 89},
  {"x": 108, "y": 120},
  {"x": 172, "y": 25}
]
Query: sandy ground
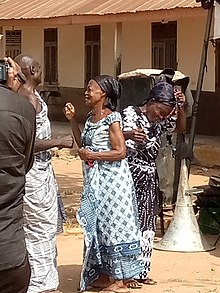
[{"x": 175, "y": 272}]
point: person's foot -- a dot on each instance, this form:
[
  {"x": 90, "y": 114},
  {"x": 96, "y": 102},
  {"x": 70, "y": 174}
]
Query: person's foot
[
  {"x": 117, "y": 287},
  {"x": 102, "y": 282},
  {"x": 133, "y": 284}
]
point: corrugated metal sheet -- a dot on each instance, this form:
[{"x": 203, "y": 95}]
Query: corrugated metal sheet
[{"x": 29, "y": 9}]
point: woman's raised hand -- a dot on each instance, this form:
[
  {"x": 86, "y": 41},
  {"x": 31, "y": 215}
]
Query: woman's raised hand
[
  {"x": 180, "y": 98},
  {"x": 69, "y": 111}
]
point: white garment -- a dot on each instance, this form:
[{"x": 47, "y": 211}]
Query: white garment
[{"x": 41, "y": 214}]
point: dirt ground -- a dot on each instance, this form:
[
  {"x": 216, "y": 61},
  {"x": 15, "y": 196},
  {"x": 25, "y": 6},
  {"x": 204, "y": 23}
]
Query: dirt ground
[{"x": 175, "y": 272}]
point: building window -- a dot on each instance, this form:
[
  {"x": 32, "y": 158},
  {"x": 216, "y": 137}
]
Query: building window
[
  {"x": 92, "y": 52},
  {"x": 50, "y": 56},
  {"x": 13, "y": 43},
  {"x": 217, "y": 67},
  {"x": 164, "y": 37}
]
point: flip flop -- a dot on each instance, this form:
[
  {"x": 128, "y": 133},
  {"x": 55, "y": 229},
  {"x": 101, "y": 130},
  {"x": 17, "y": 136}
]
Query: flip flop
[
  {"x": 133, "y": 284},
  {"x": 147, "y": 281}
]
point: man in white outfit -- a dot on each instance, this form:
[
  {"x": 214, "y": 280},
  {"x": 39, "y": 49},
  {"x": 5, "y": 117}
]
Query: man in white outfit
[{"x": 41, "y": 201}]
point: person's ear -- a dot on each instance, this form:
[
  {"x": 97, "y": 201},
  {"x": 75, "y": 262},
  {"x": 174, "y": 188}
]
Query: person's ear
[
  {"x": 32, "y": 70},
  {"x": 103, "y": 94}
]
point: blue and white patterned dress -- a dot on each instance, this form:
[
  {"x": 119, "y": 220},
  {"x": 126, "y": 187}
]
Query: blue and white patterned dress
[{"x": 108, "y": 211}]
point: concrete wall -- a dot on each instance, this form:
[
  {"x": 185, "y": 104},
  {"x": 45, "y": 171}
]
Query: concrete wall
[
  {"x": 190, "y": 35},
  {"x": 71, "y": 56},
  {"x": 136, "y": 45},
  {"x": 135, "y": 49},
  {"x": 30, "y": 45},
  {"x": 107, "y": 48},
  {"x": 32, "y": 40},
  {"x": 137, "y": 53}
]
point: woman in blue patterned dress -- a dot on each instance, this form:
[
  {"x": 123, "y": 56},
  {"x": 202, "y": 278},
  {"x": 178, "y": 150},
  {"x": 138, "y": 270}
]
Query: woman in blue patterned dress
[
  {"x": 108, "y": 210},
  {"x": 142, "y": 127}
]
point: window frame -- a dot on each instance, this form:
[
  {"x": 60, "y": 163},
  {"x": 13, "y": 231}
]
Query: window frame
[
  {"x": 13, "y": 48},
  {"x": 51, "y": 63},
  {"x": 217, "y": 65},
  {"x": 92, "y": 52},
  {"x": 164, "y": 39}
]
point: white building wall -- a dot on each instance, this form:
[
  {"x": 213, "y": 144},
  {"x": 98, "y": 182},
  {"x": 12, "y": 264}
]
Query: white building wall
[
  {"x": 135, "y": 49},
  {"x": 70, "y": 51},
  {"x": 32, "y": 41},
  {"x": 107, "y": 48},
  {"x": 136, "y": 45},
  {"x": 190, "y": 35},
  {"x": 71, "y": 56},
  {"x": 29, "y": 44}
]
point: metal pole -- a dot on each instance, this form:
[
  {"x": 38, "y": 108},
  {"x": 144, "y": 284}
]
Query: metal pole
[{"x": 200, "y": 78}]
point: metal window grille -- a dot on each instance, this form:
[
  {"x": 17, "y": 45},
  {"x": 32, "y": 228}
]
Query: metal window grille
[{"x": 13, "y": 43}]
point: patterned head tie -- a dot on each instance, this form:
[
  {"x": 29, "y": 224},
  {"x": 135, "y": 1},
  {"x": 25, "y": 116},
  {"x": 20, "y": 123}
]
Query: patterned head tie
[
  {"x": 111, "y": 87},
  {"x": 163, "y": 92}
]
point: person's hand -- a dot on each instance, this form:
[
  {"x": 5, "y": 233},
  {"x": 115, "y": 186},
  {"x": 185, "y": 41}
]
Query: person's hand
[
  {"x": 15, "y": 77},
  {"x": 69, "y": 111},
  {"x": 180, "y": 98},
  {"x": 85, "y": 154},
  {"x": 138, "y": 135},
  {"x": 65, "y": 142}
]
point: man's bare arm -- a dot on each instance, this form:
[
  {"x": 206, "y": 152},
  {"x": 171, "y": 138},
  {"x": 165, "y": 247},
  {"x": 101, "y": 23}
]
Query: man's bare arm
[{"x": 46, "y": 144}]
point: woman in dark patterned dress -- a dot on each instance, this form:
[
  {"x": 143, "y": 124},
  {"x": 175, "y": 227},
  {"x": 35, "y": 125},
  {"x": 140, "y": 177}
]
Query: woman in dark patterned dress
[{"x": 142, "y": 127}]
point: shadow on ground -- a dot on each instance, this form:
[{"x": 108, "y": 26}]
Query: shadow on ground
[
  {"x": 216, "y": 251},
  {"x": 204, "y": 171},
  {"x": 69, "y": 184},
  {"x": 69, "y": 278}
]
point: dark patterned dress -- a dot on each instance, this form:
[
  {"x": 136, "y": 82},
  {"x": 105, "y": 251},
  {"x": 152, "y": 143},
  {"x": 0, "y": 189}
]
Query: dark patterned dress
[
  {"x": 108, "y": 211},
  {"x": 141, "y": 159}
]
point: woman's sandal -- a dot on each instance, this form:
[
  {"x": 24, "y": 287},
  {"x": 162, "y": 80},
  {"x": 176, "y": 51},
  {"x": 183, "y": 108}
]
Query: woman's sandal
[
  {"x": 133, "y": 284},
  {"x": 147, "y": 281}
]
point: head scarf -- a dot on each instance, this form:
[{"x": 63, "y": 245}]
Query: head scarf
[
  {"x": 163, "y": 92},
  {"x": 111, "y": 87}
]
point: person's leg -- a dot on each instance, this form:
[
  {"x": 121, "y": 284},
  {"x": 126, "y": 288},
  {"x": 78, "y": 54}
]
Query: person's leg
[
  {"x": 15, "y": 280},
  {"x": 147, "y": 248},
  {"x": 42, "y": 257},
  {"x": 40, "y": 226},
  {"x": 117, "y": 286},
  {"x": 102, "y": 282}
]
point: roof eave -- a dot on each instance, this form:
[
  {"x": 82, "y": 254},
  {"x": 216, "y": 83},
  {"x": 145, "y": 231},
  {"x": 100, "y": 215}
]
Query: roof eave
[{"x": 152, "y": 15}]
